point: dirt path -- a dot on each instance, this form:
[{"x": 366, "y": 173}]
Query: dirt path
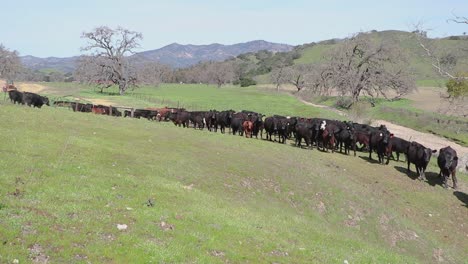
[
  {"x": 30, "y": 87},
  {"x": 426, "y": 139}
]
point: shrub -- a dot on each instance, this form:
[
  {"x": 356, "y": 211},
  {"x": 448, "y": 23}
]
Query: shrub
[
  {"x": 244, "y": 82},
  {"x": 344, "y": 102},
  {"x": 457, "y": 88}
]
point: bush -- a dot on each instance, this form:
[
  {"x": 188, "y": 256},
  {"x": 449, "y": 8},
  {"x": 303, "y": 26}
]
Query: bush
[
  {"x": 457, "y": 88},
  {"x": 244, "y": 82},
  {"x": 343, "y": 102}
]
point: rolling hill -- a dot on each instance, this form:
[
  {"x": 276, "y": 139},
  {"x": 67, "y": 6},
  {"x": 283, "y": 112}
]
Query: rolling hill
[
  {"x": 174, "y": 55},
  {"x": 314, "y": 53}
]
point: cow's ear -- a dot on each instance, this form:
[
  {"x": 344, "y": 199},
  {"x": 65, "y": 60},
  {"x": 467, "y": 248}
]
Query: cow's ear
[{"x": 455, "y": 158}]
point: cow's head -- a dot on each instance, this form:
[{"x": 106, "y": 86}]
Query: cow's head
[
  {"x": 384, "y": 135},
  {"x": 427, "y": 154},
  {"x": 213, "y": 114},
  {"x": 447, "y": 159},
  {"x": 283, "y": 124},
  {"x": 45, "y": 100}
]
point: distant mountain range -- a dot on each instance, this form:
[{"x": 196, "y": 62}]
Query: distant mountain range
[{"x": 174, "y": 55}]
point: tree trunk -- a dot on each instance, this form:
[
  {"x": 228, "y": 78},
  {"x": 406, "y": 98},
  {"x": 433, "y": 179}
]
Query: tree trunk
[{"x": 122, "y": 88}]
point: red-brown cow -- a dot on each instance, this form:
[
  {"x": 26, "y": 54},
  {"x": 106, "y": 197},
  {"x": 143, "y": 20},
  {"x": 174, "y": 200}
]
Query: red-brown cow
[
  {"x": 100, "y": 110},
  {"x": 248, "y": 127}
]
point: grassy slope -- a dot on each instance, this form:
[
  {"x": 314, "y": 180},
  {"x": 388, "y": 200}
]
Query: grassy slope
[{"x": 66, "y": 180}]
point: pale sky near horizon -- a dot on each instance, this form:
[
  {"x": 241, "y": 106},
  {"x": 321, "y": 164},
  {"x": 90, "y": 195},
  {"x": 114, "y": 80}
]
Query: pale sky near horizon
[{"x": 53, "y": 27}]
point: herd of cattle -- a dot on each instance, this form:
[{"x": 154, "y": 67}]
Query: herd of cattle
[{"x": 322, "y": 133}]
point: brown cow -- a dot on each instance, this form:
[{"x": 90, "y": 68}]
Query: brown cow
[
  {"x": 100, "y": 109},
  {"x": 248, "y": 127}
]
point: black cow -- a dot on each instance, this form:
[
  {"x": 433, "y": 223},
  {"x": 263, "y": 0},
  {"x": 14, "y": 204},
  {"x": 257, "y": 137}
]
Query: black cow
[
  {"x": 257, "y": 124},
  {"x": 237, "y": 121},
  {"x": 378, "y": 140},
  {"x": 448, "y": 162},
  {"x": 16, "y": 97},
  {"x": 276, "y": 125},
  {"x": 79, "y": 107},
  {"x": 271, "y": 127},
  {"x": 138, "y": 113},
  {"x": 116, "y": 112},
  {"x": 397, "y": 145},
  {"x": 35, "y": 100},
  {"x": 345, "y": 136},
  {"x": 180, "y": 118},
  {"x": 304, "y": 130},
  {"x": 210, "y": 120},
  {"x": 420, "y": 157},
  {"x": 223, "y": 120},
  {"x": 198, "y": 119},
  {"x": 283, "y": 129}
]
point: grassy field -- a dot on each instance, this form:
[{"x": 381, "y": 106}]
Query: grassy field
[
  {"x": 198, "y": 97},
  {"x": 67, "y": 179}
]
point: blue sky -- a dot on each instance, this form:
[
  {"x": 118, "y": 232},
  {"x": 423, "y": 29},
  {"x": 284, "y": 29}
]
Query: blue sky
[{"x": 53, "y": 28}]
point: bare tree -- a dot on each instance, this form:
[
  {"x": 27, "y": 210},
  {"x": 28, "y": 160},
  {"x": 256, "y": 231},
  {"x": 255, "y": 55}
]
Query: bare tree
[
  {"x": 108, "y": 50},
  {"x": 444, "y": 62},
  {"x": 362, "y": 66},
  {"x": 279, "y": 74},
  {"x": 301, "y": 75},
  {"x": 10, "y": 64},
  {"x": 153, "y": 73},
  {"x": 219, "y": 73}
]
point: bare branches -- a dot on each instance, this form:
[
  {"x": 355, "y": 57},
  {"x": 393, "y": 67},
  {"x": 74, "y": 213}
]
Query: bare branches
[
  {"x": 10, "y": 64},
  {"x": 361, "y": 65},
  {"x": 107, "y": 64},
  {"x": 153, "y": 73},
  {"x": 435, "y": 61},
  {"x": 458, "y": 19}
]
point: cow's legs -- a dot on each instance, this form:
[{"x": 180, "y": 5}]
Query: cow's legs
[{"x": 454, "y": 178}]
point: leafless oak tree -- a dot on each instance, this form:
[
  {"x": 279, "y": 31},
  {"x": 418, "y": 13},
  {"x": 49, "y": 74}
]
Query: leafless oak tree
[
  {"x": 108, "y": 49},
  {"x": 365, "y": 66},
  {"x": 10, "y": 64},
  {"x": 279, "y": 75},
  {"x": 444, "y": 64},
  {"x": 153, "y": 73},
  {"x": 219, "y": 73}
]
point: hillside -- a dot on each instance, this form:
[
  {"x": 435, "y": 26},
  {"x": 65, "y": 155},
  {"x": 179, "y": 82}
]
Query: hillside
[
  {"x": 174, "y": 55},
  {"x": 68, "y": 179},
  {"x": 313, "y": 53},
  {"x": 180, "y": 56},
  {"x": 59, "y": 64}
]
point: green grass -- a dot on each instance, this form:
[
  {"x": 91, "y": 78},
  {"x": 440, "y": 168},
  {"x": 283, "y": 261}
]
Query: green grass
[
  {"x": 67, "y": 179},
  {"x": 201, "y": 97},
  {"x": 313, "y": 54},
  {"x": 431, "y": 83}
]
